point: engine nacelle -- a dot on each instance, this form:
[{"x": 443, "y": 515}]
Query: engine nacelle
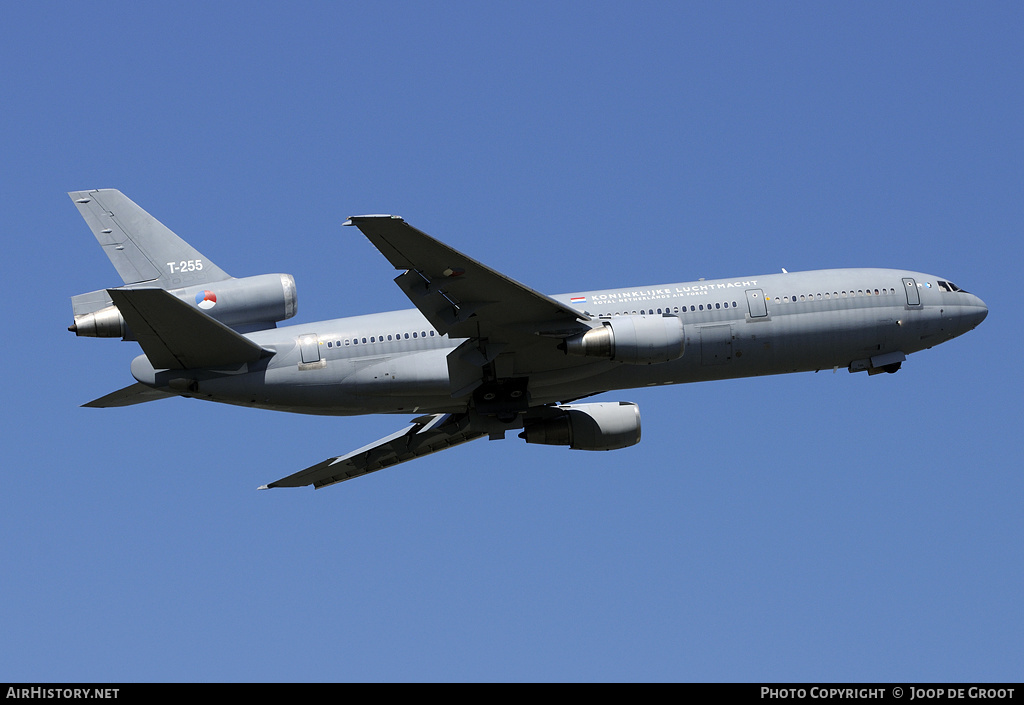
[
  {"x": 635, "y": 340},
  {"x": 251, "y": 303},
  {"x": 596, "y": 426}
]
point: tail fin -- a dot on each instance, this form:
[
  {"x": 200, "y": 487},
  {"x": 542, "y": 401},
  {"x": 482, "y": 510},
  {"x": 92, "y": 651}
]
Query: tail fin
[{"x": 141, "y": 248}]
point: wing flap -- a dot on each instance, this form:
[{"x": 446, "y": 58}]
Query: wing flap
[
  {"x": 428, "y": 434},
  {"x": 176, "y": 336}
]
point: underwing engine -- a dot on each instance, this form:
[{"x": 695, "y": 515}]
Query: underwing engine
[
  {"x": 595, "y": 426},
  {"x": 634, "y": 340}
]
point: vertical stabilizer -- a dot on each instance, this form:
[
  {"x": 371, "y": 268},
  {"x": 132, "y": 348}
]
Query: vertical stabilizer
[{"x": 141, "y": 248}]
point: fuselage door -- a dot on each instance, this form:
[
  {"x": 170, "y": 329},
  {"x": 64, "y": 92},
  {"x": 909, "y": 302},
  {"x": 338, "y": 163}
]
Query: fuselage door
[
  {"x": 310, "y": 347},
  {"x": 756, "y": 304},
  {"x": 913, "y": 295}
]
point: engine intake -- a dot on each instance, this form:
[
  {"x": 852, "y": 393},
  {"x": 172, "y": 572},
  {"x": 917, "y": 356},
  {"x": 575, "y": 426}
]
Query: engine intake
[
  {"x": 635, "y": 340},
  {"x": 596, "y": 426}
]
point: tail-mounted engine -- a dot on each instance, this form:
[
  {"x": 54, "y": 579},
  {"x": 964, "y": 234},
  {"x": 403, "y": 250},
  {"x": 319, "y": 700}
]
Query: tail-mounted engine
[
  {"x": 596, "y": 426},
  {"x": 635, "y": 340},
  {"x": 248, "y": 304}
]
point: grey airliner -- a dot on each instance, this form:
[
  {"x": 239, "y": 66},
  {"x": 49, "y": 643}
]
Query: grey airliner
[{"x": 482, "y": 354}]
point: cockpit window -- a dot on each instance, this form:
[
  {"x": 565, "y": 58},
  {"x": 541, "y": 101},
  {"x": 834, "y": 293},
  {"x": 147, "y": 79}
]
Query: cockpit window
[{"x": 950, "y": 286}]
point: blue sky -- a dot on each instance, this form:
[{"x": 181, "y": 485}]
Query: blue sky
[{"x": 815, "y": 527}]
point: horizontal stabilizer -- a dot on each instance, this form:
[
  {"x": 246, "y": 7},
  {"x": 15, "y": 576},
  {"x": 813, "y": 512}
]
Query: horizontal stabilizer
[
  {"x": 134, "y": 394},
  {"x": 176, "y": 336},
  {"x": 428, "y": 434}
]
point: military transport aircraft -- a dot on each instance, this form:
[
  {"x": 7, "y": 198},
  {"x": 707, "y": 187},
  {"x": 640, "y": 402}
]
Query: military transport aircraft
[{"x": 482, "y": 354}]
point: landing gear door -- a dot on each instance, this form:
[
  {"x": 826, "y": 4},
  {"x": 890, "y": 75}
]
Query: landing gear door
[
  {"x": 913, "y": 295},
  {"x": 756, "y": 304}
]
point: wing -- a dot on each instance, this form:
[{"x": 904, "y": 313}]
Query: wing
[
  {"x": 428, "y": 434},
  {"x": 507, "y": 324},
  {"x": 457, "y": 294}
]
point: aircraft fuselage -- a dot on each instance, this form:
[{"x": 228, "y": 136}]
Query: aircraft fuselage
[{"x": 395, "y": 362}]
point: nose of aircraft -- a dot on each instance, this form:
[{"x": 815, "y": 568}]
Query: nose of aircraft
[{"x": 975, "y": 312}]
